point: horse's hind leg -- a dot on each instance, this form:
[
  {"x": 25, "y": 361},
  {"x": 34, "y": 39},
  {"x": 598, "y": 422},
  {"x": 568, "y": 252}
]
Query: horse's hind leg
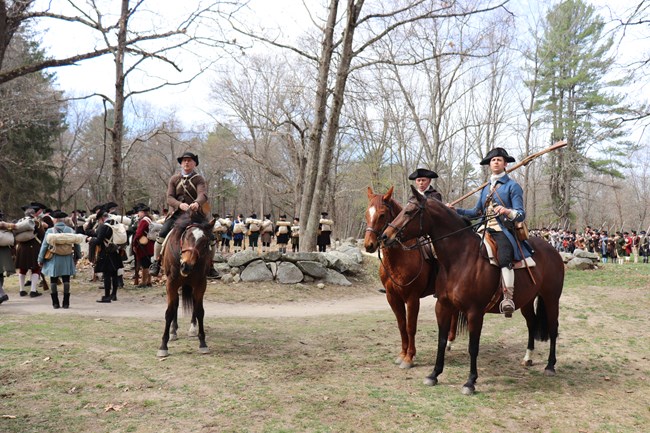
[
  {"x": 173, "y": 330},
  {"x": 529, "y": 314},
  {"x": 194, "y": 330}
]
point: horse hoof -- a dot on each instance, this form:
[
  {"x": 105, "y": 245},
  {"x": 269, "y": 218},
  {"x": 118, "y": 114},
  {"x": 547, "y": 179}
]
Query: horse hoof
[
  {"x": 405, "y": 365},
  {"x": 468, "y": 390},
  {"x": 527, "y": 363},
  {"x": 430, "y": 381},
  {"x": 399, "y": 360},
  {"x": 162, "y": 353},
  {"x": 173, "y": 337},
  {"x": 549, "y": 372},
  {"x": 448, "y": 347},
  {"x": 193, "y": 332},
  {"x": 204, "y": 350}
]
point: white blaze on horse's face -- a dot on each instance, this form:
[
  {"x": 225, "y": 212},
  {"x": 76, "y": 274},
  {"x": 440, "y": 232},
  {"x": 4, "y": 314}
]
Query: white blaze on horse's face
[
  {"x": 197, "y": 233},
  {"x": 371, "y": 212}
]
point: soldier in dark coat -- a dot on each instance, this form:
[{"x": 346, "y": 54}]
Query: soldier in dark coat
[
  {"x": 108, "y": 259},
  {"x": 423, "y": 178}
]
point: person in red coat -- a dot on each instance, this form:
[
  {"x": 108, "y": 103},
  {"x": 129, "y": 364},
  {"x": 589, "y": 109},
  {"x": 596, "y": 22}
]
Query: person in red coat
[{"x": 142, "y": 246}]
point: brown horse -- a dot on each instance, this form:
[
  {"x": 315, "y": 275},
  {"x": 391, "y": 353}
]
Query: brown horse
[
  {"x": 468, "y": 283},
  {"x": 404, "y": 273},
  {"x": 186, "y": 261}
]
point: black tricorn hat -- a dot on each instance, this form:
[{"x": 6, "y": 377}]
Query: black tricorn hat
[
  {"x": 324, "y": 213},
  {"x": 37, "y": 205},
  {"x": 497, "y": 151},
  {"x": 423, "y": 172},
  {"x": 110, "y": 205},
  {"x": 283, "y": 216},
  {"x": 58, "y": 214},
  {"x": 29, "y": 206},
  {"x": 96, "y": 208},
  {"x": 188, "y": 155}
]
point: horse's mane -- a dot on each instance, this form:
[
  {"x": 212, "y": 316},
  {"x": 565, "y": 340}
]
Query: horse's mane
[{"x": 190, "y": 218}]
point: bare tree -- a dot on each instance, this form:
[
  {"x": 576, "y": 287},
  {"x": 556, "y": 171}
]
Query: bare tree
[{"x": 338, "y": 58}]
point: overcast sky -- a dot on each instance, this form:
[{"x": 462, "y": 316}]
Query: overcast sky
[{"x": 191, "y": 103}]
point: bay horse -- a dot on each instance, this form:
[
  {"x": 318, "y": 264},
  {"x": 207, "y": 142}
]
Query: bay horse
[
  {"x": 468, "y": 283},
  {"x": 186, "y": 261},
  {"x": 404, "y": 273}
]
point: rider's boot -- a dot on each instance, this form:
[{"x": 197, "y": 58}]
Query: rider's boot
[
  {"x": 507, "y": 306},
  {"x": 154, "y": 269}
]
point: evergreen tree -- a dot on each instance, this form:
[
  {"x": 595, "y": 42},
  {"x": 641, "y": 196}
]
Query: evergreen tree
[
  {"x": 575, "y": 97},
  {"x": 31, "y": 118}
]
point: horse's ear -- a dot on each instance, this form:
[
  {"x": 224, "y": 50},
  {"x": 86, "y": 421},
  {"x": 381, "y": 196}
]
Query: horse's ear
[
  {"x": 417, "y": 195},
  {"x": 212, "y": 222},
  {"x": 370, "y": 193},
  {"x": 388, "y": 194}
]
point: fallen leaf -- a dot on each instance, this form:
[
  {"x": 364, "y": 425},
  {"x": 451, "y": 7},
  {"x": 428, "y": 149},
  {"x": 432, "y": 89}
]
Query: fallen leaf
[
  {"x": 114, "y": 407},
  {"x": 47, "y": 358},
  {"x": 607, "y": 378},
  {"x": 26, "y": 362},
  {"x": 9, "y": 416}
]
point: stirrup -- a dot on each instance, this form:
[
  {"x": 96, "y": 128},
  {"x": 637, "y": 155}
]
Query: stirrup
[
  {"x": 154, "y": 269},
  {"x": 507, "y": 307}
]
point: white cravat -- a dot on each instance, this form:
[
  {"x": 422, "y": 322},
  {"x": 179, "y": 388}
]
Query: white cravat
[{"x": 495, "y": 177}]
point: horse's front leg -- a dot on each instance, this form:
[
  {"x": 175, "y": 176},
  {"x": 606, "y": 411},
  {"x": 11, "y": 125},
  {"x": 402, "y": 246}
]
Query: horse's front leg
[
  {"x": 170, "y": 316},
  {"x": 475, "y": 325},
  {"x": 443, "y": 316},
  {"x": 399, "y": 309},
  {"x": 412, "y": 311},
  {"x": 200, "y": 312}
]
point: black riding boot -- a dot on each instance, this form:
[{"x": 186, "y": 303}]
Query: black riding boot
[
  {"x": 114, "y": 294},
  {"x": 66, "y": 300},
  {"x": 106, "y": 299},
  {"x": 55, "y": 300}
]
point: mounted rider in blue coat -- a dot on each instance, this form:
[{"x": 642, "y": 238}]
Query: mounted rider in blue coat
[{"x": 502, "y": 199}]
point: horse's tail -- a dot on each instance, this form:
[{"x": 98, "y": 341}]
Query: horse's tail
[
  {"x": 461, "y": 325},
  {"x": 188, "y": 299},
  {"x": 541, "y": 321}
]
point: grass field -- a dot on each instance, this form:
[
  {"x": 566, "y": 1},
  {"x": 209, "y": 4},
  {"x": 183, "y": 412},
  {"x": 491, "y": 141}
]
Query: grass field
[{"x": 69, "y": 373}]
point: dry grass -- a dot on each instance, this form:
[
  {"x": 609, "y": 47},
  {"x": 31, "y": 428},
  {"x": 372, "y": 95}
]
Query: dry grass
[{"x": 68, "y": 373}]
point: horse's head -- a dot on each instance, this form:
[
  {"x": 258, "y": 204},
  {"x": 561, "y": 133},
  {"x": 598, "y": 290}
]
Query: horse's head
[
  {"x": 381, "y": 211},
  {"x": 409, "y": 223},
  {"x": 195, "y": 247}
]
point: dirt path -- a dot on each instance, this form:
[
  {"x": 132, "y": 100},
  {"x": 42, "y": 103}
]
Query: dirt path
[{"x": 85, "y": 305}]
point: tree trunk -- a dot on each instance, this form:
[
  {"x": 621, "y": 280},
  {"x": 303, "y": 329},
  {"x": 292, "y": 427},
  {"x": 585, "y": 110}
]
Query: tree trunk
[
  {"x": 307, "y": 228},
  {"x": 117, "y": 131}
]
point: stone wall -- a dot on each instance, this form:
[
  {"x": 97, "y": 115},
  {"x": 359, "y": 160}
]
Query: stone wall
[{"x": 330, "y": 267}]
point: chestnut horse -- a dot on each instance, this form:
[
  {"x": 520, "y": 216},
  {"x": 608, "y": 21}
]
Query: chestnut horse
[
  {"x": 186, "y": 261},
  {"x": 404, "y": 273},
  {"x": 468, "y": 283}
]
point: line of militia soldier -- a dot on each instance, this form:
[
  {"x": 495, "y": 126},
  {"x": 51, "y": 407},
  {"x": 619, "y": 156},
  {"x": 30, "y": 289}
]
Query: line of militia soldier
[
  {"x": 46, "y": 242},
  {"x": 620, "y": 247}
]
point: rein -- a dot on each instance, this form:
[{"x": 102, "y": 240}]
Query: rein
[
  {"x": 391, "y": 215},
  {"x": 429, "y": 240}
]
